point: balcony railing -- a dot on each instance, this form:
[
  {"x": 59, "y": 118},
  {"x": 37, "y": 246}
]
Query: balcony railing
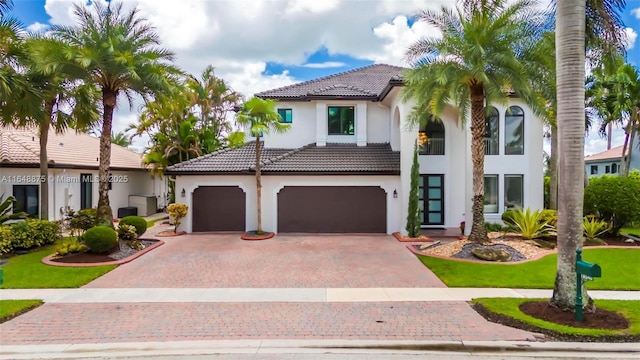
[{"x": 432, "y": 147}]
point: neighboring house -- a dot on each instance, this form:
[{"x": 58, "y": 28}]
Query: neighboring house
[
  {"x": 606, "y": 162},
  {"x": 345, "y": 164},
  {"x": 73, "y": 172}
]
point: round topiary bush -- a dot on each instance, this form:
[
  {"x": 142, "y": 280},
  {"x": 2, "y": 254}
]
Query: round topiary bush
[
  {"x": 136, "y": 221},
  {"x": 100, "y": 239}
]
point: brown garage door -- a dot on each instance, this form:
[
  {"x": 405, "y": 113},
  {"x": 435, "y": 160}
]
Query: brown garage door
[
  {"x": 218, "y": 208},
  {"x": 332, "y": 209}
]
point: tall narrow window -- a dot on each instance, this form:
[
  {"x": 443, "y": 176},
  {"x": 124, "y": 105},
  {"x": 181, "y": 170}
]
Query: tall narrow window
[
  {"x": 514, "y": 131},
  {"x": 286, "y": 116},
  {"x": 513, "y": 191},
  {"x": 341, "y": 120},
  {"x": 614, "y": 168},
  {"x": 86, "y": 191},
  {"x": 431, "y": 138},
  {"x": 490, "y": 194},
  {"x": 27, "y": 199},
  {"x": 492, "y": 132}
]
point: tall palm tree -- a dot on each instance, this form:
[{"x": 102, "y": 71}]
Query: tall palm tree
[
  {"x": 120, "y": 139},
  {"x": 120, "y": 53},
  {"x": 63, "y": 103},
  {"x": 260, "y": 117},
  {"x": 578, "y": 23},
  {"x": 475, "y": 63}
]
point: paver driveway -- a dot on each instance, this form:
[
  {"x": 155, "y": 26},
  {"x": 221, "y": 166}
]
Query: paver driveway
[{"x": 285, "y": 261}]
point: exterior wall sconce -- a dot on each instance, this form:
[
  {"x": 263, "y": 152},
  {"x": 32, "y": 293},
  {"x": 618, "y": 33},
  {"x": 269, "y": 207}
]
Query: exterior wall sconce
[
  {"x": 183, "y": 193},
  {"x": 395, "y": 194}
]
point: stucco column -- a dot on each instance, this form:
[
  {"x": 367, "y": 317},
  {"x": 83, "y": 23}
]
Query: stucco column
[
  {"x": 321, "y": 124},
  {"x": 361, "y": 124}
]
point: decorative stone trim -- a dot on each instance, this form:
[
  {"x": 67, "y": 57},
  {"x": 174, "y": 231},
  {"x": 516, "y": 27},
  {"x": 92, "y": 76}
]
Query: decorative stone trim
[{"x": 170, "y": 234}]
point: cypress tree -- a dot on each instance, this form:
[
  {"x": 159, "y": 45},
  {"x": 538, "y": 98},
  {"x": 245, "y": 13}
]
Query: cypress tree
[{"x": 413, "y": 214}]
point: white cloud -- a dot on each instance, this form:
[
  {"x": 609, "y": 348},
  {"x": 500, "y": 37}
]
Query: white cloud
[
  {"x": 636, "y": 12},
  {"x": 37, "y": 27},
  {"x": 324, "y": 65},
  {"x": 632, "y": 35},
  {"x": 299, "y": 6},
  {"x": 399, "y": 36}
]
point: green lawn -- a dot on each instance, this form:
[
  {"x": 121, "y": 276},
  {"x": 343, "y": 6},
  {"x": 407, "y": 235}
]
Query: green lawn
[
  {"x": 28, "y": 272},
  {"x": 509, "y": 307},
  {"x": 630, "y": 230},
  {"x": 12, "y": 308},
  {"x": 619, "y": 271}
]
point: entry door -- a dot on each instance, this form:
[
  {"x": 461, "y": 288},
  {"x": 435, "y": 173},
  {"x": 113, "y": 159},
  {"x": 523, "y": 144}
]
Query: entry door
[{"x": 431, "y": 194}]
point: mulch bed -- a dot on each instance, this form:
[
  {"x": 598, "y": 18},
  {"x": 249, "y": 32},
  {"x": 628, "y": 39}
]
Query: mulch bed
[
  {"x": 542, "y": 309},
  {"x": 118, "y": 253}
]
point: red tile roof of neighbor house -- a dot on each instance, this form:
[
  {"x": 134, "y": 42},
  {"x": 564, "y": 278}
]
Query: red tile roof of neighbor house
[
  {"x": 21, "y": 148},
  {"x": 611, "y": 154}
]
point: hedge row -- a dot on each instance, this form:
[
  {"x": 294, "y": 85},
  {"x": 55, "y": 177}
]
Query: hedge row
[{"x": 28, "y": 234}]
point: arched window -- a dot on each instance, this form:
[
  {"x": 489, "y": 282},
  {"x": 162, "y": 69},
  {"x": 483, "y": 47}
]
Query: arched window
[
  {"x": 492, "y": 132},
  {"x": 514, "y": 131},
  {"x": 431, "y": 138}
]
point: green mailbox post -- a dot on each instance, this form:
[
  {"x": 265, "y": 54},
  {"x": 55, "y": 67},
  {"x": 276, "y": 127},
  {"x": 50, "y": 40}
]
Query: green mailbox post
[{"x": 583, "y": 270}]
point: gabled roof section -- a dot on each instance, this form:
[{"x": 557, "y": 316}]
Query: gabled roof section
[
  {"x": 611, "y": 154},
  {"x": 371, "y": 82},
  {"x": 332, "y": 159},
  {"x": 21, "y": 148}
]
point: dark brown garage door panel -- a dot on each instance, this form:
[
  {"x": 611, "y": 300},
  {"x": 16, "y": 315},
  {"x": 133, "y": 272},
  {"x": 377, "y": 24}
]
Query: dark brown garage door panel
[
  {"x": 332, "y": 209},
  {"x": 218, "y": 208}
]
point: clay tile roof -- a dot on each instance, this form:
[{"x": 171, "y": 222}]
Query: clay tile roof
[
  {"x": 611, "y": 154},
  {"x": 365, "y": 82},
  {"x": 21, "y": 147},
  {"x": 332, "y": 158}
]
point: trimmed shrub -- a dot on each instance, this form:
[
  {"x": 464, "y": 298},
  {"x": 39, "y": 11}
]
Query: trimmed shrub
[
  {"x": 177, "y": 212},
  {"x": 507, "y": 218},
  {"x": 493, "y": 227},
  {"x": 614, "y": 199},
  {"x": 127, "y": 232},
  {"x": 137, "y": 222},
  {"x": 28, "y": 234},
  {"x": 550, "y": 216},
  {"x": 100, "y": 239},
  {"x": 6, "y": 241}
]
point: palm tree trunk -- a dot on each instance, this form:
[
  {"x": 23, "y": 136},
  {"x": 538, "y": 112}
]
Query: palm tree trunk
[
  {"x": 259, "y": 231},
  {"x": 553, "y": 169},
  {"x": 625, "y": 146},
  {"x": 105, "y": 215},
  {"x": 44, "y": 160},
  {"x": 570, "y": 62},
  {"x": 609, "y": 133},
  {"x": 478, "y": 231}
]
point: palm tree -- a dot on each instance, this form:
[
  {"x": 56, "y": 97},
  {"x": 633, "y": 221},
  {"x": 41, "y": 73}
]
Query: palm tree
[
  {"x": 475, "y": 63},
  {"x": 120, "y": 53},
  {"x": 576, "y": 22},
  {"x": 63, "y": 103},
  {"x": 213, "y": 99},
  {"x": 260, "y": 117},
  {"x": 120, "y": 139}
]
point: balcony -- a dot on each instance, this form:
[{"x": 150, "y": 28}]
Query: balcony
[{"x": 432, "y": 146}]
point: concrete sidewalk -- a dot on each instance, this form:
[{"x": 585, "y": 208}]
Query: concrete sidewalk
[
  {"x": 486, "y": 349},
  {"x": 246, "y": 295}
]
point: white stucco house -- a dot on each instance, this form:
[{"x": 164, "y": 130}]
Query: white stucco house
[
  {"x": 73, "y": 172},
  {"x": 344, "y": 167}
]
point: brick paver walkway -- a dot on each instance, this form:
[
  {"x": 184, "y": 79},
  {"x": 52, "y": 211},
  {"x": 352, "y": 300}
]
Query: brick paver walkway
[
  {"x": 223, "y": 260},
  {"x": 142, "y": 322}
]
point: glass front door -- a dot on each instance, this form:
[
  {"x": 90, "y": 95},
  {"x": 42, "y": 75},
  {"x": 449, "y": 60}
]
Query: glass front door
[{"x": 431, "y": 192}]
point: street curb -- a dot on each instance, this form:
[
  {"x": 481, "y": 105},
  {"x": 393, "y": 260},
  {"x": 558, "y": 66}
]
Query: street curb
[{"x": 264, "y": 346}]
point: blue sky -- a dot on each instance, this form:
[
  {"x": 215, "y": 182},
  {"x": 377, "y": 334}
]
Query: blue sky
[{"x": 257, "y": 45}]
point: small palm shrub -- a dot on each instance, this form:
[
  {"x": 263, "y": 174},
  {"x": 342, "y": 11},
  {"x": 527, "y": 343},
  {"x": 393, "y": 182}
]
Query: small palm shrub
[
  {"x": 70, "y": 246},
  {"x": 137, "y": 222},
  {"x": 100, "y": 239},
  {"x": 593, "y": 228},
  {"x": 177, "y": 212},
  {"x": 127, "y": 232},
  {"x": 551, "y": 216},
  {"x": 6, "y": 205},
  {"x": 530, "y": 224}
]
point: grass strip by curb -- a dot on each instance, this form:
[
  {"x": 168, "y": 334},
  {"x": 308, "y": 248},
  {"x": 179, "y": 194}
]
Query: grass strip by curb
[
  {"x": 619, "y": 271},
  {"x": 12, "y": 308},
  {"x": 506, "y": 311}
]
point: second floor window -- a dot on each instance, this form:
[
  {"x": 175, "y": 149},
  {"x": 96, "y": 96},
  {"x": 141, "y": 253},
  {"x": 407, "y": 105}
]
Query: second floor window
[
  {"x": 492, "y": 132},
  {"x": 341, "y": 120},
  {"x": 431, "y": 138},
  {"x": 514, "y": 131},
  {"x": 286, "y": 116}
]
